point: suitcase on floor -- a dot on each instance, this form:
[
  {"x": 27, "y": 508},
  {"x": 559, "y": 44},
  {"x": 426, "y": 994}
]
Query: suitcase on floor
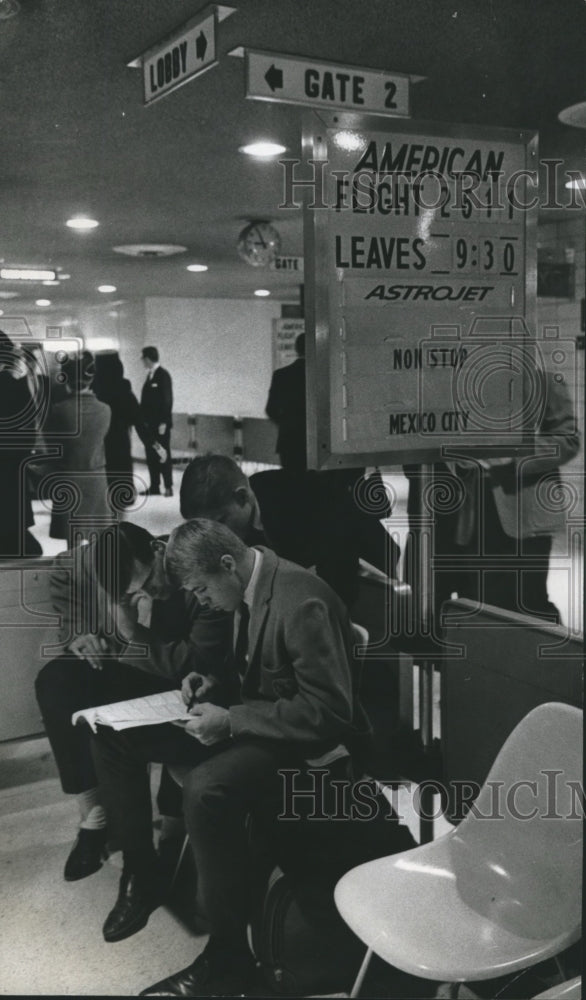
[{"x": 300, "y": 941}]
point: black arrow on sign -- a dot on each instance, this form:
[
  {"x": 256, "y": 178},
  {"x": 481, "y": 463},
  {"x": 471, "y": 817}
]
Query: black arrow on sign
[
  {"x": 201, "y": 45},
  {"x": 274, "y": 77}
]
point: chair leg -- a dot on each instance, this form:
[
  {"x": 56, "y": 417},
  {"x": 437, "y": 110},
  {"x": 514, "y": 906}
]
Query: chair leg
[
  {"x": 448, "y": 991},
  {"x": 361, "y": 974},
  {"x": 180, "y": 860}
]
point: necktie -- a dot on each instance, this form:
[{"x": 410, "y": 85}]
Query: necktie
[{"x": 241, "y": 647}]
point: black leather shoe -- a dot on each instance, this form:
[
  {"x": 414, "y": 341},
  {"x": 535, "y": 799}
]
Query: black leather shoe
[
  {"x": 86, "y": 855},
  {"x": 149, "y": 493},
  {"x": 169, "y": 492},
  {"x": 138, "y": 896},
  {"x": 210, "y": 975}
]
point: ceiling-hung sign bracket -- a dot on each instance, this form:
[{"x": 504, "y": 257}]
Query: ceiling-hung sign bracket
[
  {"x": 185, "y": 53},
  {"x": 288, "y": 79}
]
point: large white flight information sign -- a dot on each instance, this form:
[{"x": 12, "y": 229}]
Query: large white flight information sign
[{"x": 420, "y": 284}]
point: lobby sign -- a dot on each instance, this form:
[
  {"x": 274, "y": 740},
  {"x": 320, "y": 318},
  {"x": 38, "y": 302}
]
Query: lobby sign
[
  {"x": 420, "y": 291},
  {"x": 271, "y": 76},
  {"x": 181, "y": 56}
]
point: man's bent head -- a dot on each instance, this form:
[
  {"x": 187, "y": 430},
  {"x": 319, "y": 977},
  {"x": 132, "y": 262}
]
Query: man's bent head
[
  {"x": 214, "y": 487},
  {"x": 211, "y": 561}
]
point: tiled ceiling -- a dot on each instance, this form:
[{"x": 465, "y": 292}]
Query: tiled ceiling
[{"x": 76, "y": 137}]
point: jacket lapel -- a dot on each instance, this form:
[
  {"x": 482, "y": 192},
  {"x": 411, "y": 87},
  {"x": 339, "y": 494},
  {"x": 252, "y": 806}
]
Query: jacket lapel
[{"x": 262, "y": 599}]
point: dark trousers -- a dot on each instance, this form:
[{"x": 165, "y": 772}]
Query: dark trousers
[
  {"x": 66, "y": 685},
  {"x": 218, "y": 792},
  {"x": 511, "y": 573},
  {"x": 157, "y": 467}
]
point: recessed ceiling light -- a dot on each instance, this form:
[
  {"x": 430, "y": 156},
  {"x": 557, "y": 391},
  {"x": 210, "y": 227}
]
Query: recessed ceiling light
[
  {"x": 82, "y": 223},
  {"x": 147, "y": 250},
  {"x": 1, "y": 312},
  {"x": 197, "y": 267},
  {"x": 262, "y": 293},
  {"x": 43, "y": 302},
  {"x": 26, "y": 274},
  {"x": 263, "y": 150},
  {"x": 55, "y": 282},
  {"x": 576, "y": 184},
  {"x": 8, "y": 295},
  {"x": 106, "y": 288}
]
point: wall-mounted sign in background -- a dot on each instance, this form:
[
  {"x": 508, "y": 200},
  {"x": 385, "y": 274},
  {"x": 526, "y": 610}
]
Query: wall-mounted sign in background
[
  {"x": 420, "y": 290},
  {"x": 285, "y": 333},
  {"x": 296, "y": 80},
  {"x": 184, "y": 54},
  {"x": 293, "y": 265}
]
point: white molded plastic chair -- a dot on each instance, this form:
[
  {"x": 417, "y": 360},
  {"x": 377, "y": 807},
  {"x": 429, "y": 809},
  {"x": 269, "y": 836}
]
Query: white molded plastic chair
[
  {"x": 572, "y": 990},
  {"x": 496, "y": 894}
]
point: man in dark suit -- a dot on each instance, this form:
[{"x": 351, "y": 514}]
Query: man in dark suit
[
  {"x": 347, "y": 525},
  {"x": 156, "y": 408},
  {"x": 290, "y": 698},
  {"x": 291, "y": 513},
  {"x": 286, "y": 408}
]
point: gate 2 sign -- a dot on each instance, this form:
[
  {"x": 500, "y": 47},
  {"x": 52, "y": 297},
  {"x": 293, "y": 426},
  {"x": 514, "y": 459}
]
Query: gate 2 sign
[{"x": 420, "y": 290}]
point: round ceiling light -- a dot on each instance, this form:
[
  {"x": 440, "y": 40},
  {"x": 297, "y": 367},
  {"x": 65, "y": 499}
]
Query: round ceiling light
[
  {"x": 262, "y": 293},
  {"x": 152, "y": 250},
  {"x": 82, "y": 224},
  {"x": 106, "y": 288},
  {"x": 196, "y": 268},
  {"x": 43, "y": 302},
  {"x": 263, "y": 150},
  {"x": 54, "y": 282},
  {"x": 574, "y": 115}
]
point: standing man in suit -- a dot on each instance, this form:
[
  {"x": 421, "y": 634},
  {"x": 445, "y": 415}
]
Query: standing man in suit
[
  {"x": 291, "y": 698},
  {"x": 346, "y": 528},
  {"x": 156, "y": 406},
  {"x": 286, "y": 408}
]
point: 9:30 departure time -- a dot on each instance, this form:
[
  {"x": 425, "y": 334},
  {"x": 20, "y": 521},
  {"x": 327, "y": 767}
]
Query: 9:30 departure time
[{"x": 488, "y": 256}]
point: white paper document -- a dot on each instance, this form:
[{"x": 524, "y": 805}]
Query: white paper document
[{"x": 168, "y": 706}]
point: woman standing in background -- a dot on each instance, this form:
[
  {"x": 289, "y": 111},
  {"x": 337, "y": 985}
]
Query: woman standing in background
[
  {"x": 112, "y": 388},
  {"x": 76, "y": 481}
]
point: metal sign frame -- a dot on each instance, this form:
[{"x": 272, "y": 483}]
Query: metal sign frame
[
  {"x": 319, "y": 336},
  {"x": 388, "y": 75}
]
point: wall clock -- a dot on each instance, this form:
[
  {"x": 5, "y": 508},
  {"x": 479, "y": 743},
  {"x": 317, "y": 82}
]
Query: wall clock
[{"x": 259, "y": 243}]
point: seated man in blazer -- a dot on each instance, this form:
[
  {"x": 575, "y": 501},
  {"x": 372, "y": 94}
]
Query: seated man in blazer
[
  {"x": 122, "y": 634},
  {"x": 289, "y": 698}
]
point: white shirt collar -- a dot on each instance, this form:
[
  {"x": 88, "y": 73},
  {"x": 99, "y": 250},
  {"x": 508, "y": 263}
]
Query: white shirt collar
[
  {"x": 153, "y": 370},
  {"x": 248, "y": 595}
]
